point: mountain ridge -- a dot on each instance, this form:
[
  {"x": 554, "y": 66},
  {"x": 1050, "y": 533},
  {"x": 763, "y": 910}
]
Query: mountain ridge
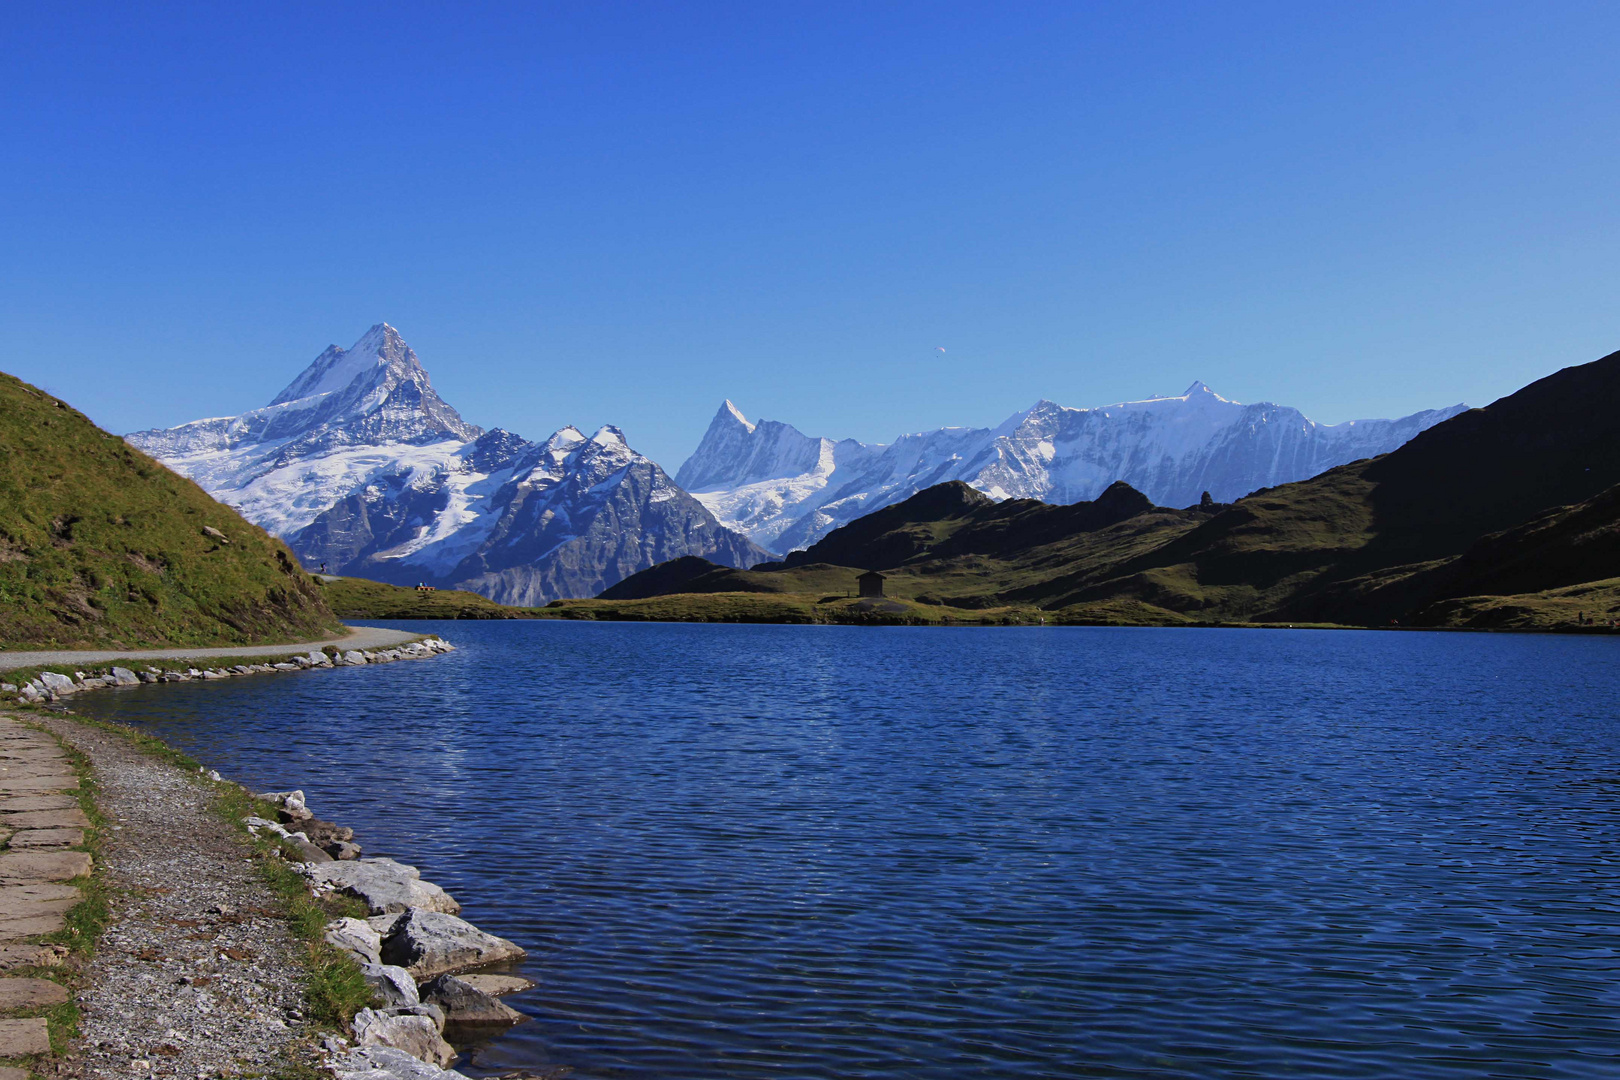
[
  {"x": 362, "y": 467},
  {"x": 1505, "y": 515},
  {"x": 785, "y": 489}
]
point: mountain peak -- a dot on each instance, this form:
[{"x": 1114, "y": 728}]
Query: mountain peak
[
  {"x": 730, "y": 414},
  {"x": 336, "y": 368},
  {"x": 1199, "y": 392}
]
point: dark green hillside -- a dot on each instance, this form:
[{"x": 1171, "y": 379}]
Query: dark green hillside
[
  {"x": 100, "y": 546},
  {"x": 951, "y": 548},
  {"x": 1555, "y": 548},
  {"x": 700, "y": 576},
  {"x": 357, "y": 598},
  {"x": 952, "y": 520},
  {"x": 1369, "y": 542},
  {"x": 672, "y": 576}
]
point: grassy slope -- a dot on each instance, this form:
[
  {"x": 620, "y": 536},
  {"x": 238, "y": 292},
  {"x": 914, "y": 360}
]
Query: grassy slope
[
  {"x": 100, "y": 546},
  {"x": 746, "y": 607},
  {"x": 1551, "y": 609},
  {"x": 357, "y": 598}
]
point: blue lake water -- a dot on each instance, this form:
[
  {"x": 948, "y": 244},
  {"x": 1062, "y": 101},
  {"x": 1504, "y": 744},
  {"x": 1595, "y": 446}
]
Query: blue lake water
[{"x": 771, "y": 851}]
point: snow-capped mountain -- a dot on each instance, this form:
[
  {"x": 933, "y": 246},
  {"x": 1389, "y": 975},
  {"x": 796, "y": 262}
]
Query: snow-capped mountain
[
  {"x": 785, "y": 490},
  {"x": 360, "y": 465}
]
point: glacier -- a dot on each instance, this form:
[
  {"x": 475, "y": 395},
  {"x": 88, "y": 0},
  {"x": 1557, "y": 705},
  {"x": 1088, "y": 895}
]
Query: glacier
[
  {"x": 785, "y": 490},
  {"x": 362, "y": 467}
]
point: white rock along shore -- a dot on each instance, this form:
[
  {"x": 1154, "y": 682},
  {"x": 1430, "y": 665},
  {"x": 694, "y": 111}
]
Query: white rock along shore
[
  {"x": 50, "y": 686},
  {"x": 359, "y": 637},
  {"x": 196, "y": 974}
]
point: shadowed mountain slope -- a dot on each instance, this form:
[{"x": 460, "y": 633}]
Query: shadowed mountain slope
[
  {"x": 952, "y": 519},
  {"x": 1355, "y": 544}
]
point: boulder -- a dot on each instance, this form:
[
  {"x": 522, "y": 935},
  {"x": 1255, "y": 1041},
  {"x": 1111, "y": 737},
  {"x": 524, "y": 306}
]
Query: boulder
[
  {"x": 255, "y": 824},
  {"x": 122, "y": 676},
  {"x": 324, "y": 832},
  {"x": 357, "y": 938},
  {"x": 289, "y": 803},
  {"x": 342, "y": 850},
  {"x": 319, "y": 659},
  {"x": 431, "y": 943},
  {"x": 421, "y": 1008},
  {"x": 415, "y": 1034},
  {"x": 386, "y": 886},
  {"x": 383, "y": 924},
  {"x": 354, "y": 657},
  {"x": 390, "y": 986},
  {"x": 498, "y": 985},
  {"x": 308, "y": 852},
  {"x": 466, "y": 1006},
  {"x": 386, "y": 1063},
  {"x": 57, "y": 684}
]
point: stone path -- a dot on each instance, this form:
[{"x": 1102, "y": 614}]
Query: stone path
[
  {"x": 197, "y": 974},
  {"x": 40, "y": 824},
  {"x": 360, "y": 637}
]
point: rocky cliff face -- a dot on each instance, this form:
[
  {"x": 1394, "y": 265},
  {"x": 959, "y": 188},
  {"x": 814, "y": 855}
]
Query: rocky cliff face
[
  {"x": 786, "y": 490},
  {"x": 362, "y": 467},
  {"x": 521, "y": 523}
]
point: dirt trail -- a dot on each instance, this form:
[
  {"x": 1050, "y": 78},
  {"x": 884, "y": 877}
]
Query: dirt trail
[{"x": 197, "y": 974}]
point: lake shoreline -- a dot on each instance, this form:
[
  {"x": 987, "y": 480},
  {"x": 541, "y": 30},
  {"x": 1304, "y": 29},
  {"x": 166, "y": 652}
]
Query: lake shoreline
[
  {"x": 731, "y": 845},
  {"x": 51, "y": 682},
  {"x": 398, "y": 938}
]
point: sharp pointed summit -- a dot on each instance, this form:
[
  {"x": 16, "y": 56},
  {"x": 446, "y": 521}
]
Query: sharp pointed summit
[{"x": 361, "y": 466}]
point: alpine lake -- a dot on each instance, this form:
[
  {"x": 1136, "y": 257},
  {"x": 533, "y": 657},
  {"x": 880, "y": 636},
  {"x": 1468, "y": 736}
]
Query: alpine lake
[{"x": 836, "y": 852}]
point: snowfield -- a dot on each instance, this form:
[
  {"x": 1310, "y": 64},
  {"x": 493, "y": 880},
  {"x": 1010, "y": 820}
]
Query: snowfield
[{"x": 786, "y": 490}]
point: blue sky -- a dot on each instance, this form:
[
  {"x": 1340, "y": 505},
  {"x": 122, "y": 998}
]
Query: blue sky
[{"x": 604, "y": 213}]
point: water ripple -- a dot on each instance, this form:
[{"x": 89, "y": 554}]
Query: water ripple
[{"x": 783, "y": 852}]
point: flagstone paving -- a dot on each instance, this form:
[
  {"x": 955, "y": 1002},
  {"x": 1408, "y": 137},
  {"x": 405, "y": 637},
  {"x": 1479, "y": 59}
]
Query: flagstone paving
[{"x": 34, "y": 896}]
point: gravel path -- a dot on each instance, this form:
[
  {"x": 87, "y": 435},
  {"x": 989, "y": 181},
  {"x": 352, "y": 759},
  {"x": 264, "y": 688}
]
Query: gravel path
[
  {"x": 360, "y": 637},
  {"x": 197, "y": 976}
]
